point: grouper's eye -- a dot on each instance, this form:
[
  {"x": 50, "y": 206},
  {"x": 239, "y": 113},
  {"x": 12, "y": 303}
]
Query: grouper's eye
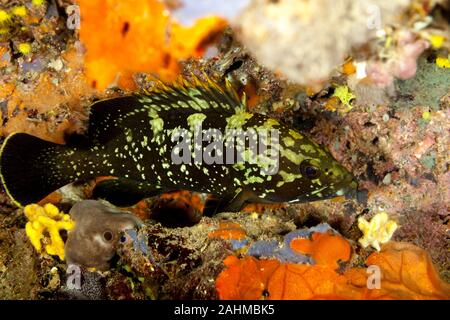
[{"x": 308, "y": 170}]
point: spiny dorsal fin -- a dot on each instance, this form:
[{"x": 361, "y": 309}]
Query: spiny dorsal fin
[
  {"x": 105, "y": 115},
  {"x": 196, "y": 89}
]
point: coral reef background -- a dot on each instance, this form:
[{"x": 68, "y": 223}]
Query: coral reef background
[{"x": 347, "y": 90}]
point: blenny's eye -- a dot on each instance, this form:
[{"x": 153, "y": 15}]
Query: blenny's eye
[
  {"x": 309, "y": 170},
  {"x": 108, "y": 235}
]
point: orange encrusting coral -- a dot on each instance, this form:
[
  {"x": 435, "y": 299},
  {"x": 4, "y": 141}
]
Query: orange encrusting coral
[
  {"x": 228, "y": 231},
  {"x": 140, "y": 210},
  {"x": 301, "y": 282},
  {"x": 245, "y": 279},
  {"x": 406, "y": 273},
  {"x": 125, "y": 37},
  {"x": 3, "y": 62},
  {"x": 59, "y": 110},
  {"x": 332, "y": 104},
  {"x": 349, "y": 68},
  {"x": 251, "y": 93},
  {"x": 184, "y": 198},
  {"x": 53, "y": 198},
  {"x": 261, "y": 207},
  {"x": 325, "y": 248}
]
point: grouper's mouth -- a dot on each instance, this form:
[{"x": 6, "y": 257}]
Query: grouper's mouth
[
  {"x": 353, "y": 192},
  {"x": 349, "y": 192}
]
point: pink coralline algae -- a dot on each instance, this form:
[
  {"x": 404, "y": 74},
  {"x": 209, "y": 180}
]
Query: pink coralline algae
[{"x": 402, "y": 62}]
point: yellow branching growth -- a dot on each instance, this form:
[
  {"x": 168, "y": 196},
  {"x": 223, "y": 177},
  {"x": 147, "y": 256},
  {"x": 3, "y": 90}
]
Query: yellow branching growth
[{"x": 43, "y": 226}]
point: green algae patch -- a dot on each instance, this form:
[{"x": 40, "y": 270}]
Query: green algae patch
[{"x": 428, "y": 86}]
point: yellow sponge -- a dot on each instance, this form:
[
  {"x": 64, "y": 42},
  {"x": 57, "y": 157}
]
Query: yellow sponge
[
  {"x": 43, "y": 226},
  {"x": 378, "y": 231}
]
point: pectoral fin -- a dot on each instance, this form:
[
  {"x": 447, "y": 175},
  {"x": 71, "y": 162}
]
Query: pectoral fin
[
  {"x": 232, "y": 203},
  {"x": 124, "y": 192}
]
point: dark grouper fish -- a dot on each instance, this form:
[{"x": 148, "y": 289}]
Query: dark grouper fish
[{"x": 131, "y": 138}]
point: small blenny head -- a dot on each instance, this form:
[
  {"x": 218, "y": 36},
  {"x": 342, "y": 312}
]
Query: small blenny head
[
  {"x": 309, "y": 173},
  {"x": 97, "y": 233}
]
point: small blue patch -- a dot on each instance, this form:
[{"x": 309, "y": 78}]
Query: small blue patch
[
  {"x": 272, "y": 249},
  {"x": 263, "y": 248},
  {"x": 238, "y": 244},
  {"x": 284, "y": 252}
]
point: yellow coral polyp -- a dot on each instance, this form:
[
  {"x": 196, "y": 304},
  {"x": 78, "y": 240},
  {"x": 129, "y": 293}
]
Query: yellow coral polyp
[
  {"x": 24, "y": 48},
  {"x": 443, "y": 62},
  {"x": 344, "y": 94},
  {"x": 19, "y": 11},
  {"x": 5, "y": 17},
  {"x": 378, "y": 231},
  {"x": 437, "y": 41},
  {"x": 43, "y": 227},
  {"x": 38, "y": 2}
]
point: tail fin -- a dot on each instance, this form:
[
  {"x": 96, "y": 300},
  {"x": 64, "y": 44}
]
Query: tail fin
[{"x": 29, "y": 168}]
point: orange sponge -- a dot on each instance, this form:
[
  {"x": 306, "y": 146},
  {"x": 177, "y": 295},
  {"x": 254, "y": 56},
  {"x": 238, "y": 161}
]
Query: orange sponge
[{"x": 125, "y": 37}]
